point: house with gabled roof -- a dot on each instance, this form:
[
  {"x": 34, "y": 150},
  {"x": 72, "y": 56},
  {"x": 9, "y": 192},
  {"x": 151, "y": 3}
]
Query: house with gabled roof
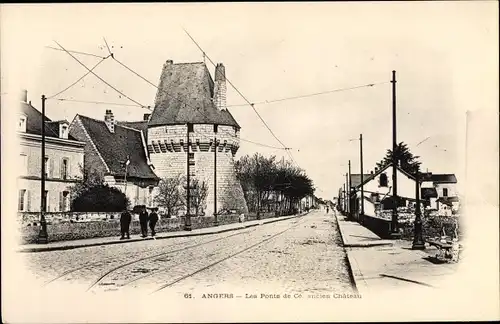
[
  {"x": 117, "y": 152},
  {"x": 64, "y": 158},
  {"x": 446, "y": 197}
]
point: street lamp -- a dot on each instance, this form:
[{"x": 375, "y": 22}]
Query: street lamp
[
  {"x": 418, "y": 241},
  {"x": 43, "y": 236}
]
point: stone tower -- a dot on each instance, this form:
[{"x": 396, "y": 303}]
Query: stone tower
[{"x": 189, "y": 104}]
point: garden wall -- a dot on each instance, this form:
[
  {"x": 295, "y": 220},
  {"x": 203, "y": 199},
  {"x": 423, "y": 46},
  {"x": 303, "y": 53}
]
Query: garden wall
[{"x": 65, "y": 226}]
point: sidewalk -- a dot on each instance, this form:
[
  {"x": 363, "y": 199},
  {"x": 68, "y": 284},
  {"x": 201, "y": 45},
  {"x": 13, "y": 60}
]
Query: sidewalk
[
  {"x": 379, "y": 265},
  {"x": 66, "y": 245}
]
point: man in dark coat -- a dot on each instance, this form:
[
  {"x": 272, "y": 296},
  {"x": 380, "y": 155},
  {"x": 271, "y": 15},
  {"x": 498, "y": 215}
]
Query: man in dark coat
[
  {"x": 143, "y": 220},
  {"x": 125, "y": 220},
  {"x": 153, "y": 219}
]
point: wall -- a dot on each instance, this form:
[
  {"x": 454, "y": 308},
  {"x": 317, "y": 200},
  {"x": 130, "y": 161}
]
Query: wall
[
  {"x": 171, "y": 161},
  {"x": 30, "y": 177},
  {"x": 406, "y": 185},
  {"x": 452, "y": 189},
  {"x": 92, "y": 159},
  {"x": 66, "y": 230}
]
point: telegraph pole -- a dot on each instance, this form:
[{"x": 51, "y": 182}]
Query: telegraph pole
[
  {"x": 362, "y": 213},
  {"x": 257, "y": 189},
  {"x": 346, "y": 195},
  {"x": 349, "y": 190},
  {"x": 216, "y": 223},
  {"x": 187, "y": 225},
  {"x": 394, "y": 223},
  {"x": 43, "y": 237},
  {"x": 418, "y": 240}
]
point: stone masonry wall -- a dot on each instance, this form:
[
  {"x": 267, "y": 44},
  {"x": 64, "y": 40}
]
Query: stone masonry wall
[{"x": 171, "y": 160}]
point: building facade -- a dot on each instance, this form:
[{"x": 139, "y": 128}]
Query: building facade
[
  {"x": 117, "y": 153},
  {"x": 64, "y": 160}
]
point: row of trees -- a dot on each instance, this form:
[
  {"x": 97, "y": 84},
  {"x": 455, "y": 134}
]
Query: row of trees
[{"x": 269, "y": 185}]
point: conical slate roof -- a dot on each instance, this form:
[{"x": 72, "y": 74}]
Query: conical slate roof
[{"x": 185, "y": 96}]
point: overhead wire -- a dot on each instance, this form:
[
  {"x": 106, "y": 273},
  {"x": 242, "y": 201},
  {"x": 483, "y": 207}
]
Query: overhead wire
[
  {"x": 100, "y": 102},
  {"x": 76, "y": 52},
  {"x": 311, "y": 95},
  {"x": 83, "y": 76},
  {"x": 239, "y": 92},
  {"x": 104, "y": 81}
]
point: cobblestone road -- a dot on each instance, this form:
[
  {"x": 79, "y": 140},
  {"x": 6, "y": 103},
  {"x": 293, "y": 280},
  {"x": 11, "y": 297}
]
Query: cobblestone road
[{"x": 301, "y": 255}]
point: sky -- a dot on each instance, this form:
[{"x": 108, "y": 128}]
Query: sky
[{"x": 445, "y": 55}]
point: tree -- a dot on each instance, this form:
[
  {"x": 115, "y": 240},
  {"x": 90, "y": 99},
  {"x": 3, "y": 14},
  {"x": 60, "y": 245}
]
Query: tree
[
  {"x": 91, "y": 179},
  {"x": 170, "y": 195},
  {"x": 407, "y": 161},
  {"x": 199, "y": 192},
  {"x": 100, "y": 198}
]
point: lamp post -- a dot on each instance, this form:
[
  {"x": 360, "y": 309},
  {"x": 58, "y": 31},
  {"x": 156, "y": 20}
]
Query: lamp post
[
  {"x": 394, "y": 220},
  {"x": 418, "y": 240},
  {"x": 187, "y": 225},
  {"x": 216, "y": 221},
  {"x": 43, "y": 236}
]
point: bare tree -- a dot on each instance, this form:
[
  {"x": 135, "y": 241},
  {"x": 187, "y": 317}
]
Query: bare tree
[
  {"x": 199, "y": 192},
  {"x": 170, "y": 195}
]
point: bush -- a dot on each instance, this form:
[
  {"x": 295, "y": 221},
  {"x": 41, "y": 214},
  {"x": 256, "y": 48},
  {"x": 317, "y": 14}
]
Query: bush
[{"x": 100, "y": 198}]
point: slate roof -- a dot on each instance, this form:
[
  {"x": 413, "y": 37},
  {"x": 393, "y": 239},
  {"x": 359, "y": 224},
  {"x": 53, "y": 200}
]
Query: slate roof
[
  {"x": 185, "y": 95},
  {"x": 141, "y": 125},
  {"x": 115, "y": 147},
  {"x": 34, "y": 122},
  {"x": 428, "y": 193},
  {"x": 356, "y": 179},
  {"x": 444, "y": 178}
]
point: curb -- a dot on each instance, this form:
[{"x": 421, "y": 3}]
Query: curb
[
  {"x": 347, "y": 259},
  {"x": 187, "y": 234}
]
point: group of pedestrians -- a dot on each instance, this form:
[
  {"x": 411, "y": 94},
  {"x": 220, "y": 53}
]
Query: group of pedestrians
[{"x": 144, "y": 219}]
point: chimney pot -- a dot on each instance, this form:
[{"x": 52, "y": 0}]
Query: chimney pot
[
  {"x": 24, "y": 95},
  {"x": 146, "y": 117},
  {"x": 170, "y": 62}
]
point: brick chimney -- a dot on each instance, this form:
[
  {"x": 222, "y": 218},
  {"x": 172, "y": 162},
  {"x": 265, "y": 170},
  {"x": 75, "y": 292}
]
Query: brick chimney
[
  {"x": 109, "y": 119},
  {"x": 23, "y": 96},
  {"x": 220, "y": 87}
]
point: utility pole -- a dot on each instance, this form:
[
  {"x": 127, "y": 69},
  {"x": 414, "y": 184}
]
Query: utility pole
[
  {"x": 187, "y": 225},
  {"x": 418, "y": 240},
  {"x": 346, "y": 196},
  {"x": 362, "y": 213},
  {"x": 43, "y": 236},
  {"x": 394, "y": 223},
  {"x": 257, "y": 189},
  {"x": 349, "y": 191},
  {"x": 216, "y": 223}
]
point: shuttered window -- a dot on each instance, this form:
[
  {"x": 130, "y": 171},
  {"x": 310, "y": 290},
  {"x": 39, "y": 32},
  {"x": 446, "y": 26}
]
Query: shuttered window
[
  {"x": 64, "y": 168},
  {"x": 22, "y": 200}
]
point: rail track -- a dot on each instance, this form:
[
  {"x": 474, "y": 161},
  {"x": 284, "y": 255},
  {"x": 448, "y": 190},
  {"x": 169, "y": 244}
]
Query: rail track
[
  {"x": 165, "y": 250},
  {"x": 181, "y": 266}
]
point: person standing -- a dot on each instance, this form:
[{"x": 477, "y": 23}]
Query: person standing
[
  {"x": 153, "y": 219},
  {"x": 143, "y": 220},
  {"x": 327, "y": 209},
  {"x": 125, "y": 220}
]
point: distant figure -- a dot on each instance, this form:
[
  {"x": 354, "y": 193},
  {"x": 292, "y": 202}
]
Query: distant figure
[
  {"x": 327, "y": 209},
  {"x": 125, "y": 220},
  {"x": 143, "y": 220},
  {"x": 153, "y": 219}
]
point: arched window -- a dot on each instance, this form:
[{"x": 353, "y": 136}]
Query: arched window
[{"x": 383, "y": 180}]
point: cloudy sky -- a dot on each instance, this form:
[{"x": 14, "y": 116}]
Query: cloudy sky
[{"x": 445, "y": 55}]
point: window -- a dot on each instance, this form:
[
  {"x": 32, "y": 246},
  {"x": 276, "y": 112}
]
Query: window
[
  {"x": 190, "y": 128},
  {"x": 21, "y": 126},
  {"x": 383, "y": 180},
  {"x": 215, "y": 128},
  {"x": 22, "y": 200},
  {"x": 64, "y": 168},
  {"x": 24, "y": 164},
  {"x": 445, "y": 192},
  {"x": 64, "y": 131},
  {"x": 64, "y": 201},
  {"x": 46, "y": 167}
]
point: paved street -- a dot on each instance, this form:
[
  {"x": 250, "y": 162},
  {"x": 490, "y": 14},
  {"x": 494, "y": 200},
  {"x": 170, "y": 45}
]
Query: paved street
[{"x": 301, "y": 255}]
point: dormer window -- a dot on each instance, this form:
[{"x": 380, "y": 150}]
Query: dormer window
[
  {"x": 383, "y": 180},
  {"x": 63, "y": 131},
  {"x": 22, "y": 124}
]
